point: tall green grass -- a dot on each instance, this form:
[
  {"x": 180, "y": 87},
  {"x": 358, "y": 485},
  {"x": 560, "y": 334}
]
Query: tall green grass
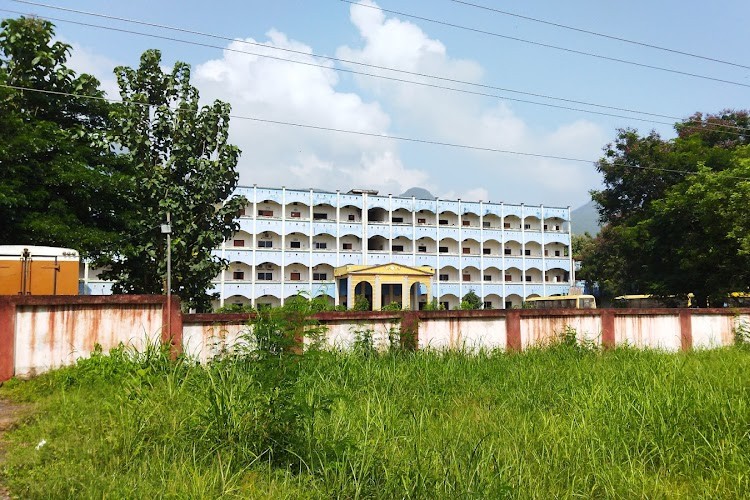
[{"x": 563, "y": 421}]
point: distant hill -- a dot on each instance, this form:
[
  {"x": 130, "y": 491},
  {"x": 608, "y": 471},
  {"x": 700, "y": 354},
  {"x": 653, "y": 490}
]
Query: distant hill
[
  {"x": 418, "y": 193},
  {"x": 585, "y": 219}
]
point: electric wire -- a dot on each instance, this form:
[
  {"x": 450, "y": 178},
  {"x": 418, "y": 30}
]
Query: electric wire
[
  {"x": 367, "y": 134},
  {"x": 401, "y": 80},
  {"x": 599, "y": 34},
  {"x": 355, "y": 72},
  {"x": 310, "y": 54},
  {"x": 546, "y": 45}
]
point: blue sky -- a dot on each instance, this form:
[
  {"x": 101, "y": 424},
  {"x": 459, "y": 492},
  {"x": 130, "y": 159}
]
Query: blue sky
[{"x": 278, "y": 155}]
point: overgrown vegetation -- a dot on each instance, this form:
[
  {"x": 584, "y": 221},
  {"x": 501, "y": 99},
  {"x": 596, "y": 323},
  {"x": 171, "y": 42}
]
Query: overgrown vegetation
[{"x": 264, "y": 421}]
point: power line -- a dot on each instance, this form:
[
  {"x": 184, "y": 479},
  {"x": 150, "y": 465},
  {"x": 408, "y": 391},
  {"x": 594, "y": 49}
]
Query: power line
[
  {"x": 341, "y": 60},
  {"x": 602, "y": 35},
  {"x": 366, "y": 134},
  {"x": 355, "y": 72},
  {"x": 362, "y": 73},
  {"x": 542, "y": 44}
]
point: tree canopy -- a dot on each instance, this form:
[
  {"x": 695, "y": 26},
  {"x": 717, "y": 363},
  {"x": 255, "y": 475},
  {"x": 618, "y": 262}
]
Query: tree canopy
[
  {"x": 673, "y": 211},
  {"x": 182, "y": 164},
  {"x": 59, "y": 180}
]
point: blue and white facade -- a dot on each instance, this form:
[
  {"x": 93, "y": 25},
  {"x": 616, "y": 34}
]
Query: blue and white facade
[{"x": 291, "y": 240}]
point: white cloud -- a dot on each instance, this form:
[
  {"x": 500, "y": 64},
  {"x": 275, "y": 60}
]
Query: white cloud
[
  {"x": 296, "y": 156},
  {"x": 85, "y": 60},
  {"x": 472, "y": 120}
]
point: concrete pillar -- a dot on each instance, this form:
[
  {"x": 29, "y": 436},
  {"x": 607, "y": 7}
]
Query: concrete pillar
[
  {"x": 686, "y": 330},
  {"x": 406, "y": 294},
  {"x": 608, "y": 329},
  {"x": 513, "y": 330},
  {"x": 377, "y": 297},
  {"x": 7, "y": 338}
]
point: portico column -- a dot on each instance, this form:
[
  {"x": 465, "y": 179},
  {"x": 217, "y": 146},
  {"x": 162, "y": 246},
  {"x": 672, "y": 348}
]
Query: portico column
[
  {"x": 405, "y": 294},
  {"x": 377, "y": 299},
  {"x": 351, "y": 285}
]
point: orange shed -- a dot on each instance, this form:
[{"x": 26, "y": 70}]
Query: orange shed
[{"x": 34, "y": 270}]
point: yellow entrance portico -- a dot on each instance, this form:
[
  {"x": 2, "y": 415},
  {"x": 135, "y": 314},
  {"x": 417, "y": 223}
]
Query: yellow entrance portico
[{"x": 384, "y": 284}]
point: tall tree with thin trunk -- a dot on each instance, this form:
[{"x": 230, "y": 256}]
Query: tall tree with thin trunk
[{"x": 183, "y": 165}]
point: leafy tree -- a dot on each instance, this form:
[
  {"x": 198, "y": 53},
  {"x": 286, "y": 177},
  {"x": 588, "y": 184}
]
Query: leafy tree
[
  {"x": 471, "y": 301},
  {"x": 673, "y": 223},
  {"x": 183, "y": 165},
  {"x": 59, "y": 181}
]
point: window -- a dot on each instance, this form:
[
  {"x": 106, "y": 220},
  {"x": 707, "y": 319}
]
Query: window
[
  {"x": 320, "y": 276},
  {"x": 347, "y": 246},
  {"x": 422, "y": 249},
  {"x": 557, "y": 253},
  {"x": 506, "y": 225},
  {"x": 443, "y": 249},
  {"x": 508, "y": 251},
  {"x": 265, "y": 276},
  {"x": 527, "y": 252},
  {"x": 320, "y": 216},
  {"x": 488, "y": 305},
  {"x": 351, "y": 217},
  {"x": 509, "y": 305},
  {"x": 466, "y": 222},
  {"x": 397, "y": 220},
  {"x": 294, "y": 277},
  {"x": 527, "y": 226},
  {"x": 296, "y": 215},
  {"x": 443, "y": 277},
  {"x": 466, "y": 250},
  {"x": 397, "y": 248},
  {"x": 486, "y": 251},
  {"x": 528, "y": 278},
  {"x": 421, "y": 221},
  {"x": 321, "y": 245},
  {"x": 265, "y": 243},
  {"x": 486, "y": 225},
  {"x": 238, "y": 275},
  {"x": 508, "y": 277},
  {"x": 446, "y": 305},
  {"x": 557, "y": 228},
  {"x": 443, "y": 222},
  {"x": 487, "y": 277},
  {"x": 545, "y": 227},
  {"x": 295, "y": 244},
  {"x": 466, "y": 277},
  {"x": 265, "y": 213},
  {"x": 239, "y": 243}
]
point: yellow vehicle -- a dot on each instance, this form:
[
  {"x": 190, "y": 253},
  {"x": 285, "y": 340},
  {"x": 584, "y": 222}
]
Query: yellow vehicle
[
  {"x": 561, "y": 302},
  {"x": 35, "y": 270},
  {"x": 738, "y": 299},
  {"x": 653, "y": 301}
]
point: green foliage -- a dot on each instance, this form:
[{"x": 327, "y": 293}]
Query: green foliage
[
  {"x": 547, "y": 423},
  {"x": 433, "y": 305},
  {"x": 393, "y": 306},
  {"x": 648, "y": 205},
  {"x": 60, "y": 184},
  {"x": 183, "y": 165},
  {"x": 361, "y": 303},
  {"x": 471, "y": 301}
]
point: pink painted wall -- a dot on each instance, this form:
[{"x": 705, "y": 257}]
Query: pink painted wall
[{"x": 40, "y": 333}]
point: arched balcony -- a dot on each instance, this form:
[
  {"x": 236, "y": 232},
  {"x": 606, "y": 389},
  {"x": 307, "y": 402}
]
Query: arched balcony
[
  {"x": 322, "y": 272},
  {"x": 426, "y": 245},
  {"x": 240, "y": 239},
  {"x": 401, "y": 245},
  {"x": 238, "y": 271},
  {"x": 532, "y": 223},
  {"x": 350, "y": 214},
  {"x": 297, "y": 211},
  {"x": 448, "y": 218},
  {"x": 533, "y": 275},
  {"x": 425, "y": 218},
  {"x": 448, "y": 246},
  {"x": 401, "y": 216},
  {"x": 512, "y": 248},
  {"x": 555, "y": 275},
  {"x": 324, "y": 212},
  {"x": 492, "y": 275},
  {"x": 296, "y": 272},
  {"x": 512, "y": 222},
  {"x": 377, "y": 244},
  {"x": 492, "y": 248},
  {"x": 324, "y": 243},
  {"x": 268, "y": 240},
  {"x": 470, "y": 246},
  {"x": 469, "y": 219},
  {"x": 555, "y": 250},
  {"x": 448, "y": 274},
  {"x": 297, "y": 242},
  {"x": 470, "y": 274},
  {"x": 533, "y": 249},
  {"x": 351, "y": 243},
  {"x": 492, "y": 221},
  {"x": 268, "y": 209},
  {"x": 512, "y": 275},
  {"x": 267, "y": 272},
  {"x": 492, "y": 301},
  {"x": 555, "y": 224},
  {"x": 513, "y": 301}
]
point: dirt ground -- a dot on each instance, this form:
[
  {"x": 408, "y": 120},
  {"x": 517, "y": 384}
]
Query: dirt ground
[{"x": 10, "y": 415}]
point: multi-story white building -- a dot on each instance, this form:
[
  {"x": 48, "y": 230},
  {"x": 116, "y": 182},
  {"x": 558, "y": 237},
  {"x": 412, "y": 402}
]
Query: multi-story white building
[{"x": 292, "y": 240}]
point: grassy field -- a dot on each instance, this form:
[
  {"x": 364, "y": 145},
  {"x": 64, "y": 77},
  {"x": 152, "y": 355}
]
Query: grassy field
[{"x": 556, "y": 422}]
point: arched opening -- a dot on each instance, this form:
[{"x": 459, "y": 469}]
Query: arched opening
[
  {"x": 238, "y": 271},
  {"x": 533, "y": 249},
  {"x": 377, "y": 215},
  {"x": 363, "y": 289},
  {"x": 470, "y": 219},
  {"x": 268, "y": 209},
  {"x": 297, "y": 242},
  {"x": 377, "y": 244},
  {"x": 492, "y": 275},
  {"x": 448, "y": 273},
  {"x": 492, "y": 301},
  {"x": 401, "y": 244},
  {"x": 418, "y": 297},
  {"x": 425, "y": 218},
  {"x": 532, "y": 223},
  {"x": 449, "y": 302},
  {"x": 470, "y": 273},
  {"x": 350, "y": 214},
  {"x": 492, "y": 248},
  {"x": 324, "y": 212},
  {"x": 492, "y": 221},
  {"x": 426, "y": 245},
  {"x": 267, "y": 302},
  {"x": 512, "y": 275},
  {"x": 533, "y": 275},
  {"x": 555, "y": 275},
  {"x": 240, "y": 239},
  {"x": 513, "y": 249},
  {"x": 470, "y": 246},
  {"x": 449, "y": 246},
  {"x": 297, "y": 211},
  {"x": 268, "y": 240},
  {"x": 512, "y": 223},
  {"x": 513, "y": 301},
  {"x": 267, "y": 272},
  {"x": 448, "y": 218},
  {"x": 401, "y": 216}
]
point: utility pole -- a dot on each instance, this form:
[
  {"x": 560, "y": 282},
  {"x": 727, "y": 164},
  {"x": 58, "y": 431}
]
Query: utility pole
[{"x": 167, "y": 229}]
